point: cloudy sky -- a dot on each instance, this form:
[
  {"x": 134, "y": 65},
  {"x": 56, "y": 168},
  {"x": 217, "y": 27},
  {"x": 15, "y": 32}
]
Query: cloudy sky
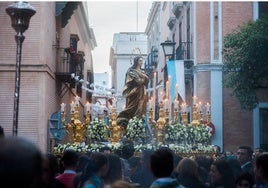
[{"x": 109, "y": 17}]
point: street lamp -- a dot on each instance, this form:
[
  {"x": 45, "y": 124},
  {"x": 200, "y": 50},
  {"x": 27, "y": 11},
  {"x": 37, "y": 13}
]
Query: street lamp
[
  {"x": 168, "y": 48},
  {"x": 20, "y": 14}
]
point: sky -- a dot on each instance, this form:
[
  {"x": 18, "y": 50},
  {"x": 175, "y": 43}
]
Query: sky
[{"x": 109, "y": 17}]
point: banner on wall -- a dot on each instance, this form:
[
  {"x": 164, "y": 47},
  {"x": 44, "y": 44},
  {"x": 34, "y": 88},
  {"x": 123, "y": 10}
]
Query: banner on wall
[{"x": 175, "y": 69}]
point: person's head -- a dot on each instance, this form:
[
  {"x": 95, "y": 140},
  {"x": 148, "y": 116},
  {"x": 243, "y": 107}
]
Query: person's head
[
  {"x": 82, "y": 161},
  {"x": 100, "y": 161},
  {"x": 115, "y": 169},
  {"x": 244, "y": 154},
  {"x": 162, "y": 163},
  {"x": 106, "y": 150},
  {"x": 137, "y": 62},
  {"x": 20, "y": 162},
  {"x": 121, "y": 184},
  {"x": 146, "y": 157},
  {"x": 258, "y": 152},
  {"x": 217, "y": 149},
  {"x": 261, "y": 168},
  {"x": 221, "y": 174},
  {"x": 127, "y": 151},
  {"x": 50, "y": 168},
  {"x": 70, "y": 159},
  {"x": 235, "y": 166},
  {"x": 97, "y": 164},
  {"x": 245, "y": 180},
  {"x": 134, "y": 164},
  {"x": 187, "y": 168},
  {"x": 2, "y": 132}
]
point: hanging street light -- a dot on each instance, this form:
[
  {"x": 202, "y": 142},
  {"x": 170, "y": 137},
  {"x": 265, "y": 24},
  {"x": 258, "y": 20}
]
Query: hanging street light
[
  {"x": 20, "y": 14},
  {"x": 168, "y": 48}
]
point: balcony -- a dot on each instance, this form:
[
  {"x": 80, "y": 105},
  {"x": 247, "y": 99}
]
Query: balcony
[
  {"x": 183, "y": 52},
  {"x": 177, "y": 9},
  {"x": 69, "y": 62}
]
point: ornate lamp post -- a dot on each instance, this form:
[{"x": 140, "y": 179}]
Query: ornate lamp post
[
  {"x": 20, "y": 14},
  {"x": 168, "y": 48}
]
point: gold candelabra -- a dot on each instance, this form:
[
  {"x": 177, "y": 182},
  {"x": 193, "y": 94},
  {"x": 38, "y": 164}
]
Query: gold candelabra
[
  {"x": 167, "y": 116},
  {"x": 150, "y": 115},
  {"x": 196, "y": 120},
  {"x": 76, "y": 130},
  {"x": 208, "y": 115},
  {"x": 160, "y": 125},
  {"x": 116, "y": 131},
  {"x": 184, "y": 118},
  {"x": 176, "y": 115}
]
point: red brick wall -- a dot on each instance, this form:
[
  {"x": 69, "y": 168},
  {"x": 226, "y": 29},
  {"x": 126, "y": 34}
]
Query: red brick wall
[{"x": 238, "y": 123}]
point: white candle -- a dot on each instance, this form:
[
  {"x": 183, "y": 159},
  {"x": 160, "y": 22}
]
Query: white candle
[
  {"x": 169, "y": 84},
  {"x": 154, "y": 94},
  {"x": 154, "y": 86},
  {"x": 149, "y": 104},
  {"x": 176, "y": 104},
  {"x": 152, "y": 103},
  {"x": 72, "y": 106},
  {"x": 167, "y": 89},
  {"x": 177, "y": 91},
  {"x": 166, "y": 103},
  {"x": 208, "y": 108},
  {"x": 62, "y": 107},
  {"x": 194, "y": 99},
  {"x": 199, "y": 107},
  {"x": 160, "y": 96},
  {"x": 77, "y": 100},
  {"x": 87, "y": 107},
  {"x": 184, "y": 107}
]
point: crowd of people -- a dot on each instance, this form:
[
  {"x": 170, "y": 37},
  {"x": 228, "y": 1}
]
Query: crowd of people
[{"x": 22, "y": 164}]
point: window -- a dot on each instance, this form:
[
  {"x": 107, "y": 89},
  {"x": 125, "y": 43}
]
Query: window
[{"x": 263, "y": 8}]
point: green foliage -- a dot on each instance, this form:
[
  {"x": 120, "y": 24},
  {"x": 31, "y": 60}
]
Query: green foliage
[{"x": 245, "y": 67}]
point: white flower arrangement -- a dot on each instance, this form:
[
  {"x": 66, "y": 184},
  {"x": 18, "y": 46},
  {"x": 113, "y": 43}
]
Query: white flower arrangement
[
  {"x": 188, "y": 133},
  {"x": 135, "y": 129},
  {"x": 81, "y": 147},
  {"x": 97, "y": 129},
  {"x": 177, "y": 148},
  {"x": 115, "y": 146}
]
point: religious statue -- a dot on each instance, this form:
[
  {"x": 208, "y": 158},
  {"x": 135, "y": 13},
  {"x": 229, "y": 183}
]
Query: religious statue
[{"x": 135, "y": 93}]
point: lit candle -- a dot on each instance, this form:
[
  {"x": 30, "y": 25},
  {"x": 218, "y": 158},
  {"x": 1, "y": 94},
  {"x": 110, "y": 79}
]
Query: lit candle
[
  {"x": 177, "y": 91},
  {"x": 167, "y": 89},
  {"x": 154, "y": 86},
  {"x": 152, "y": 103},
  {"x": 194, "y": 99},
  {"x": 208, "y": 108},
  {"x": 166, "y": 103},
  {"x": 169, "y": 84},
  {"x": 199, "y": 107},
  {"x": 62, "y": 107},
  {"x": 176, "y": 104},
  {"x": 77, "y": 100},
  {"x": 72, "y": 106},
  {"x": 184, "y": 107},
  {"x": 154, "y": 94},
  {"x": 87, "y": 107},
  {"x": 149, "y": 104},
  {"x": 160, "y": 96}
]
